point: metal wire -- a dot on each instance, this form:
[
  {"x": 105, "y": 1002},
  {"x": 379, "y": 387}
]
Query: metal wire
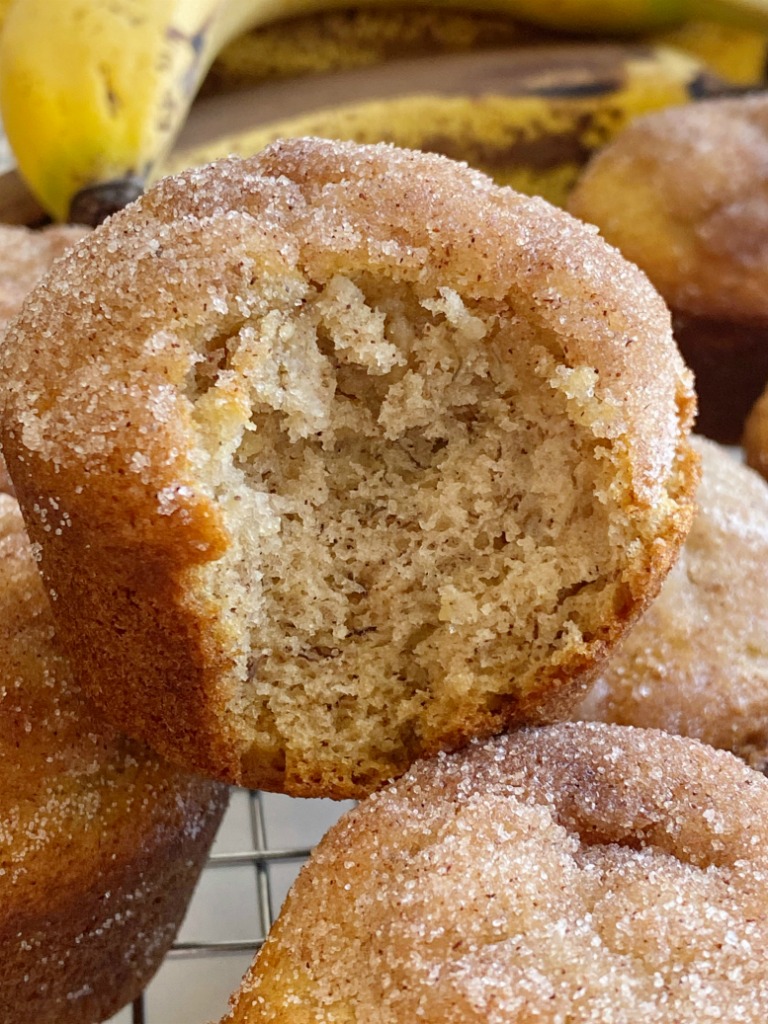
[{"x": 260, "y": 856}]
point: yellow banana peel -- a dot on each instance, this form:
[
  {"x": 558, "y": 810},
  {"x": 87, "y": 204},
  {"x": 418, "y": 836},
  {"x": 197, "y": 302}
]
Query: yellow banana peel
[
  {"x": 93, "y": 93},
  {"x": 637, "y": 16}
]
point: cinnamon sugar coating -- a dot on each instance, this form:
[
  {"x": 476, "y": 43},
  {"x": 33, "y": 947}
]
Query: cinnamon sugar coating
[
  {"x": 697, "y": 662},
  {"x": 101, "y": 842},
  {"x": 342, "y": 455},
  {"x": 585, "y": 873},
  {"x": 684, "y": 194}
]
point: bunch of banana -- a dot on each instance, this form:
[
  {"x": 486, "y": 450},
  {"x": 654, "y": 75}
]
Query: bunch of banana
[
  {"x": 531, "y": 124},
  {"x": 93, "y": 94}
]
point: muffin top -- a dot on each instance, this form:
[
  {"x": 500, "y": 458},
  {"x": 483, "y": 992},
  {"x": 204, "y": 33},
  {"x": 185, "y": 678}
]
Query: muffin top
[{"x": 583, "y": 872}]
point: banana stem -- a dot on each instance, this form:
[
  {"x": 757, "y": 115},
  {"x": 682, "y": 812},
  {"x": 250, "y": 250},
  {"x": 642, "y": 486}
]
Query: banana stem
[{"x": 94, "y": 204}]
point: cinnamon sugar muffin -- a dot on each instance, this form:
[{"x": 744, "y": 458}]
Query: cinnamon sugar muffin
[
  {"x": 592, "y": 874},
  {"x": 684, "y": 194},
  {"x": 101, "y": 842},
  {"x": 697, "y": 663},
  {"x": 342, "y": 456}
]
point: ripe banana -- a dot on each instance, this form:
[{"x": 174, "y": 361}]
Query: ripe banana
[
  {"x": 531, "y": 125},
  {"x": 340, "y": 40},
  {"x": 92, "y": 94},
  {"x": 328, "y": 41}
]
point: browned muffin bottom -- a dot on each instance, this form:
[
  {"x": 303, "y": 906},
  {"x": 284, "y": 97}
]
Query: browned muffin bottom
[
  {"x": 697, "y": 662},
  {"x": 684, "y": 194},
  {"x": 343, "y": 455},
  {"x": 101, "y": 842},
  {"x": 585, "y": 873}
]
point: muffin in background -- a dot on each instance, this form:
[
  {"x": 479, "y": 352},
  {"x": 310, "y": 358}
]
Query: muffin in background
[{"x": 683, "y": 193}]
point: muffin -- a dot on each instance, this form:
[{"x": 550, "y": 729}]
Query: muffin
[
  {"x": 684, "y": 194},
  {"x": 101, "y": 841},
  {"x": 342, "y": 456},
  {"x": 25, "y": 255},
  {"x": 579, "y": 872}
]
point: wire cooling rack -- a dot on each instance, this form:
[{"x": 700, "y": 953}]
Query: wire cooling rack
[{"x": 263, "y": 841}]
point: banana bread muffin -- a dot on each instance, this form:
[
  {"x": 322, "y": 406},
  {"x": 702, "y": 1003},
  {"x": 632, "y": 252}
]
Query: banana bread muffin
[
  {"x": 755, "y": 439},
  {"x": 101, "y": 841},
  {"x": 592, "y": 874},
  {"x": 684, "y": 194},
  {"x": 25, "y": 255},
  {"x": 343, "y": 455}
]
